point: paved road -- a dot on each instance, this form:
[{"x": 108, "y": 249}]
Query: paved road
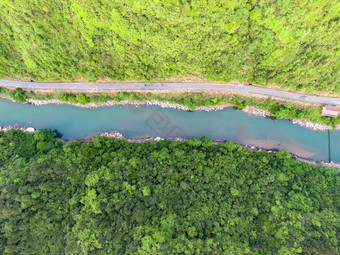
[{"x": 169, "y": 86}]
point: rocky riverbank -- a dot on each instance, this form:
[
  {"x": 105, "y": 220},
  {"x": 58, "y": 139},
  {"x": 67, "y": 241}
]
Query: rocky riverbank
[
  {"x": 312, "y": 125},
  {"x": 17, "y": 127},
  {"x": 251, "y": 110},
  {"x": 130, "y": 102}
]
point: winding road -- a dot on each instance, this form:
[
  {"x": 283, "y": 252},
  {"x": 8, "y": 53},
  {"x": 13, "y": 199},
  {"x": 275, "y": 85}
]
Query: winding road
[{"x": 171, "y": 86}]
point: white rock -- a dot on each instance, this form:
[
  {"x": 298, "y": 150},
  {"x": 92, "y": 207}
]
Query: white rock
[{"x": 30, "y": 129}]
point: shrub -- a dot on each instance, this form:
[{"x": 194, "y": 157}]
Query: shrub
[
  {"x": 18, "y": 95},
  {"x": 82, "y": 99},
  {"x": 194, "y": 142},
  {"x": 206, "y": 141}
]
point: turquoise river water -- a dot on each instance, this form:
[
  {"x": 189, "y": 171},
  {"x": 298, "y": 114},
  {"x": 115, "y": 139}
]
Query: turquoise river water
[{"x": 133, "y": 122}]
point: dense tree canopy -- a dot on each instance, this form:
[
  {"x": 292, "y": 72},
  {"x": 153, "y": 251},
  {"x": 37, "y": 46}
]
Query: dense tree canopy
[
  {"x": 114, "y": 197},
  {"x": 292, "y": 44}
]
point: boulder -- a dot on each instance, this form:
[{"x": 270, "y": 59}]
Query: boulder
[{"x": 30, "y": 130}]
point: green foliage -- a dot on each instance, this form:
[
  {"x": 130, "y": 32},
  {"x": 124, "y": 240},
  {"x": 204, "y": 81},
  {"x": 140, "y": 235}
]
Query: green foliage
[
  {"x": 288, "y": 43},
  {"x": 283, "y": 155},
  {"x": 44, "y": 135},
  {"x": 17, "y": 95},
  {"x": 194, "y": 142},
  {"x": 75, "y": 98},
  {"x": 206, "y": 141},
  {"x": 114, "y": 197},
  {"x": 82, "y": 99}
]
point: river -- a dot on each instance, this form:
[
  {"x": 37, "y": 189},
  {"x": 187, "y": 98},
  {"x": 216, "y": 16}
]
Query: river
[{"x": 133, "y": 122}]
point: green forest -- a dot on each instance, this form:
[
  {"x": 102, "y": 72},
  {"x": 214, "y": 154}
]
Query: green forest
[
  {"x": 285, "y": 43},
  {"x": 109, "y": 196}
]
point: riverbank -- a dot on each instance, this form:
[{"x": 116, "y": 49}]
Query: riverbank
[
  {"x": 117, "y": 135},
  {"x": 303, "y": 122},
  {"x": 129, "y": 102}
]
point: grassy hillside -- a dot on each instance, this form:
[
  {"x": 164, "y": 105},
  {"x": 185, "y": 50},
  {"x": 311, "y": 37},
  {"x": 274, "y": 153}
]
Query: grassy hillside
[
  {"x": 292, "y": 44},
  {"x": 113, "y": 197}
]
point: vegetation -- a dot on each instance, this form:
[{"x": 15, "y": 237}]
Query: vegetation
[
  {"x": 17, "y": 95},
  {"x": 279, "y": 109},
  {"x": 113, "y": 197},
  {"x": 292, "y": 44}
]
